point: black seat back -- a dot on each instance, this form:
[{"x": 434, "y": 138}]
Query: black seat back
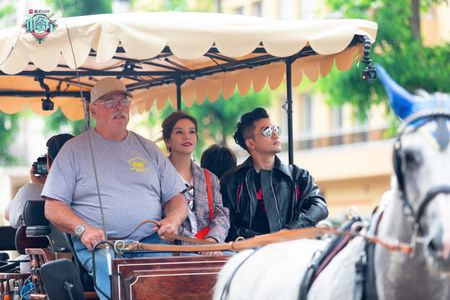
[
  {"x": 61, "y": 280},
  {"x": 34, "y": 233},
  {"x": 7, "y": 234},
  {"x": 7, "y": 240},
  {"x": 34, "y": 213}
]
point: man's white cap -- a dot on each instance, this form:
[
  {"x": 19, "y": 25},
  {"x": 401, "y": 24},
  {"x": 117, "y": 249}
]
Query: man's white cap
[{"x": 106, "y": 86}]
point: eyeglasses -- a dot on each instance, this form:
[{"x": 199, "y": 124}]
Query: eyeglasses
[
  {"x": 113, "y": 102},
  {"x": 269, "y": 130}
]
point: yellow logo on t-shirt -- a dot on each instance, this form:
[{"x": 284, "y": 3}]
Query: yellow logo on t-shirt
[{"x": 137, "y": 164}]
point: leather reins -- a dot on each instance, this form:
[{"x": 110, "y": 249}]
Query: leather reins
[{"x": 121, "y": 246}]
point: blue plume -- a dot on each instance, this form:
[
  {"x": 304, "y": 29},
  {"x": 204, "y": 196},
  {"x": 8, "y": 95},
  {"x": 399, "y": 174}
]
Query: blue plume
[{"x": 400, "y": 100}]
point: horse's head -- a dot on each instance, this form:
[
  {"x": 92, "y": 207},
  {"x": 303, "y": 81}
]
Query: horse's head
[{"x": 422, "y": 166}]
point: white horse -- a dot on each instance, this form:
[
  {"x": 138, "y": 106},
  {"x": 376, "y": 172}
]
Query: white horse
[{"x": 416, "y": 212}]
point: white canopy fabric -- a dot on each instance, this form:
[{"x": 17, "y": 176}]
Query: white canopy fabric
[{"x": 208, "y": 53}]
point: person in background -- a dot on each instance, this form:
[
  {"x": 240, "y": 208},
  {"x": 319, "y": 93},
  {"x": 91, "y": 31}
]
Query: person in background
[
  {"x": 263, "y": 194},
  {"x": 32, "y": 191},
  {"x": 107, "y": 180},
  {"x": 207, "y": 218},
  {"x": 218, "y": 159}
]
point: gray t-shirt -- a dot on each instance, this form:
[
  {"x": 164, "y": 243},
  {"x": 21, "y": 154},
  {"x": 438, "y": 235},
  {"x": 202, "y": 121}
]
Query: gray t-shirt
[{"x": 134, "y": 182}]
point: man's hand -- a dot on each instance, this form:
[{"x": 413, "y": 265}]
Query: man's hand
[
  {"x": 37, "y": 179},
  {"x": 176, "y": 211},
  {"x": 167, "y": 225},
  {"x": 91, "y": 236}
]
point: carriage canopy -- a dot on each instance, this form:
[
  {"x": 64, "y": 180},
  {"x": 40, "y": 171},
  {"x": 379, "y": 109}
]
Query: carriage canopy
[{"x": 163, "y": 55}]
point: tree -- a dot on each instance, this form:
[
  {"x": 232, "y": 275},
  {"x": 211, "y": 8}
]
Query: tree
[
  {"x": 8, "y": 128},
  {"x": 8, "y": 123},
  {"x": 172, "y": 5},
  {"x": 82, "y": 7},
  {"x": 397, "y": 48},
  {"x": 7, "y": 10}
]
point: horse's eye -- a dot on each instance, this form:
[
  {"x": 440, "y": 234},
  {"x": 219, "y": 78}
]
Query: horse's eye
[{"x": 412, "y": 158}]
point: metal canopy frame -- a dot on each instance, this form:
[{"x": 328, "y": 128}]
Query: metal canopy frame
[{"x": 172, "y": 72}]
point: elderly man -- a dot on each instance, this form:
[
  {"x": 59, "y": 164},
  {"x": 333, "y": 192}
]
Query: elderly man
[
  {"x": 109, "y": 179},
  {"x": 263, "y": 194}
]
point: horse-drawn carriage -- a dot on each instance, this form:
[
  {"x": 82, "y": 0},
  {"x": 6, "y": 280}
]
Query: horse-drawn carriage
[{"x": 191, "y": 57}]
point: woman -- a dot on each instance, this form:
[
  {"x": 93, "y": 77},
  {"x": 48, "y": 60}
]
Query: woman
[{"x": 207, "y": 219}]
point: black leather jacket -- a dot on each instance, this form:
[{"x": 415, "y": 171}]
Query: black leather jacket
[{"x": 291, "y": 198}]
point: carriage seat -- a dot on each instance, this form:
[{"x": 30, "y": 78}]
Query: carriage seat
[
  {"x": 35, "y": 232},
  {"x": 7, "y": 243},
  {"x": 40, "y": 233},
  {"x": 34, "y": 215}
]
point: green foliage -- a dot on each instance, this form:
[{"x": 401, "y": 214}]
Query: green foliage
[
  {"x": 8, "y": 128},
  {"x": 217, "y": 120},
  {"x": 7, "y": 10},
  {"x": 81, "y": 7},
  {"x": 410, "y": 64},
  {"x": 8, "y": 123},
  {"x": 57, "y": 120},
  {"x": 172, "y": 5}
]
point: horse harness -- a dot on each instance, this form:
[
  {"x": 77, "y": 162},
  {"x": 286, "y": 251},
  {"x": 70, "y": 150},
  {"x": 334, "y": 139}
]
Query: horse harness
[
  {"x": 365, "y": 287},
  {"x": 412, "y": 124}
]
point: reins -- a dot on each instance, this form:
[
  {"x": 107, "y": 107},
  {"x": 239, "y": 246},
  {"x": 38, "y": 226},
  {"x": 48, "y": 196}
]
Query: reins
[{"x": 121, "y": 246}]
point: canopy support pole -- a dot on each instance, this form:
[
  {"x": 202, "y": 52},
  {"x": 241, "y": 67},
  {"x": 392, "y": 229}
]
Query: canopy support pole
[
  {"x": 87, "y": 116},
  {"x": 288, "y": 63},
  {"x": 178, "y": 84}
]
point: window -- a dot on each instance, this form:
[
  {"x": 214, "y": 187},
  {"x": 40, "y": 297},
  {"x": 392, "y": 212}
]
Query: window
[
  {"x": 308, "y": 9},
  {"x": 257, "y": 8},
  {"x": 307, "y": 111},
  {"x": 336, "y": 123},
  {"x": 286, "y": 9}
]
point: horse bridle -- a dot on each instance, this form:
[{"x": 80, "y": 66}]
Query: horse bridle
[{"x": 425, "y": 116}]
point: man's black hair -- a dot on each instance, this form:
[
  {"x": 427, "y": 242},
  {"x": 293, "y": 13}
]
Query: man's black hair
[
  {"x": 218, "y": 159},
  {"x": 55, "y": 143},
  {"x": 247, "y": 125}
]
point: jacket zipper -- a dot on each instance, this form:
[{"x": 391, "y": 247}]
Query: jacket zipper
[
  {"x": 276, "y": 201},
  {"x": 250, "y": 202}
]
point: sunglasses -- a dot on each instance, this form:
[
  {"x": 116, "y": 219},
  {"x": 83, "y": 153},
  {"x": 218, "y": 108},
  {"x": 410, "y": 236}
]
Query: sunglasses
[
  {"x": 113, "y": 102},
  {"x": 269, "y": 130}
]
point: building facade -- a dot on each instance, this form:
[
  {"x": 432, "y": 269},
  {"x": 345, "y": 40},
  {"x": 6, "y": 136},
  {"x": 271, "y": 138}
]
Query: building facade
[{"x": 351, "y": 161}]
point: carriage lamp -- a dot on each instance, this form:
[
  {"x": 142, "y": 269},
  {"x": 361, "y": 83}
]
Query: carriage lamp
[
  {"x": 370, "y": 72},
  {"x": 47, "y": 104}
]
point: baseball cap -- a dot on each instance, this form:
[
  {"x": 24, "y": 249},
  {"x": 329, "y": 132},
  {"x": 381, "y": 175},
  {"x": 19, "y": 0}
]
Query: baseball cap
[
  {"x": 55, "y": 143},
  {"x": 106, "y": 86}
]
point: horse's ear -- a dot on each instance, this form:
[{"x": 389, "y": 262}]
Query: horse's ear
[{"x": 400, "y": 100}]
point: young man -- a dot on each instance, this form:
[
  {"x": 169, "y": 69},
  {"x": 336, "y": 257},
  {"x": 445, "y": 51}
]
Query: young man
[
  {"x": 32, "y": 191},
  {"x": 109, "y": 179},
  {"x": 263, "y": 194}
]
